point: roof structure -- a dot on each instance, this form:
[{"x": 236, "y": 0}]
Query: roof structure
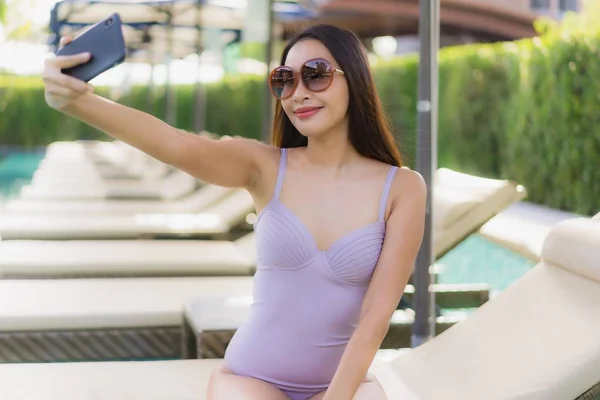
[
  {"x": 153, "y": 27},
  {"x": 373, "y": 18}
]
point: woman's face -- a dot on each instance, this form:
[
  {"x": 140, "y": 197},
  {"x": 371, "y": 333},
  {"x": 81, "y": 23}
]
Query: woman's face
[{"x": 315, "y": 113}]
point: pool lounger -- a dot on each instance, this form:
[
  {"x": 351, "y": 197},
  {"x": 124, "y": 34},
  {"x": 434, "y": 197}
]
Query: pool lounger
[
  {"x": 197, "y": 201},
  {"x": 508, "y": 349},
  {"x": 127, "y": 258},
  {"x": 172, "y": 186},
  {"x": 216, "y": 221},
  {"x": 111, "y": 318}
]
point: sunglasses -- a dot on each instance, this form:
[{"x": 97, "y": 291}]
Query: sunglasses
[{"x": 316, "y": 75}]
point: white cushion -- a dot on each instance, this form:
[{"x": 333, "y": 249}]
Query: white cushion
[
  {"x": 574, "y": 245},
  {"x": 123, "y": 257},
  {"x": 523, "y": 228},
  {"x": 146, "y": 380},
  {"x": 197, "y": 201},
  {"x": 149, "y": 380},
  {"x": 30, "y": 305},
  {"x": 124, "y": 226}
]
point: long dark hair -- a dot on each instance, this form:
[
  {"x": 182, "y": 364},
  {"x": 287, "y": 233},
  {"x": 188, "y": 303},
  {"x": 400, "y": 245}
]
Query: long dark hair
[{"x": 369, "y": 130}]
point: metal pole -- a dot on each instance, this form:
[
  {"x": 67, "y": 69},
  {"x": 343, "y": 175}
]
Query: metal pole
[
  {"x": 170, "y": 90},
  {"x": 424, "y": 301},
  {"x": 268, "y": 99},
  {"x": 199, "y": 98}
]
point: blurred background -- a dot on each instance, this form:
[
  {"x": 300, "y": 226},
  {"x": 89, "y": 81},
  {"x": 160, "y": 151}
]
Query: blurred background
[{"x": 519, "y": 92}]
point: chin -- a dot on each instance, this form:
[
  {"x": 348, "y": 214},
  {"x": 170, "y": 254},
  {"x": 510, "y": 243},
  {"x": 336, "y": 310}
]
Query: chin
[
  {"x": 311, "y": 133},
  {"x": 309, "y": 129}
]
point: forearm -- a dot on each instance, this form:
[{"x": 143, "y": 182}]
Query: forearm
[
  {"x": 137, "y": 128},
  {"x": 355, "y": 363}
]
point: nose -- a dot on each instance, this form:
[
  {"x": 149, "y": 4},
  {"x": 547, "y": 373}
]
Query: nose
[{"x": 301, "y": 93}]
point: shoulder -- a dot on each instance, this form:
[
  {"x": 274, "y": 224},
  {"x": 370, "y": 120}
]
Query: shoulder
[
  {"x": 408, "y": 187},
  {"x": 264, "y": 154}
]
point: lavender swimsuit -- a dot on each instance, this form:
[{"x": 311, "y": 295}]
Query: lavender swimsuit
[{"x": 306, "y": 301}]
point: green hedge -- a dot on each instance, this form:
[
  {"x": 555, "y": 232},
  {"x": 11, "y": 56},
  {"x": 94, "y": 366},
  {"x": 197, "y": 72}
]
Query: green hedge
[{"x": 526, "y": 111}]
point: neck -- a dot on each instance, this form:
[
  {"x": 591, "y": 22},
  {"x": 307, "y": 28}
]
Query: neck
[{"x": 331, "y": 151}]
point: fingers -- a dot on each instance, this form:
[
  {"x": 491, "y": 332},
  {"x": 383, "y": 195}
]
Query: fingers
[
  {"x": 54, "y": 79},
  {"x": 63, "y": 62},
  {"x": 60, "y": 91},
  {"x": 65, "y": 40},
  {"x": 60, "y": 86}
]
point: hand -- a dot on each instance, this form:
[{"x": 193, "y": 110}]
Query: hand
[{"x": 60, "y": 90}]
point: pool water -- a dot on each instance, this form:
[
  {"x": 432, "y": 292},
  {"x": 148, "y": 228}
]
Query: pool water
[
  {"x": 16, "y": 170},
  {"x": 475, "y": 260},
  {"x": 478, "y": 260}
]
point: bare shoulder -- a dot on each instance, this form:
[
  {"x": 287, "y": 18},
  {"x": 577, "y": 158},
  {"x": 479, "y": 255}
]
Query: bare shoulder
[
  {"x": 264, "y": 154},
  {"x": 408, "y": 187}
]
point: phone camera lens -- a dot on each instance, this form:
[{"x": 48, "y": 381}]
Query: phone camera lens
[{"x": 109, "y": 22}]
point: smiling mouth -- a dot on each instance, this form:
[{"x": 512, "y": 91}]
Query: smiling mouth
[{"x": 307, "y": 112}]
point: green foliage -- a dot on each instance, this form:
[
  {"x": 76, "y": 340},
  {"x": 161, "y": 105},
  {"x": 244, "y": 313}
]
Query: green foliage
[
  {"x": 526, "y": 111},
  {"x": 552, "y": 134},
  {"x": 2, "y": 11}
]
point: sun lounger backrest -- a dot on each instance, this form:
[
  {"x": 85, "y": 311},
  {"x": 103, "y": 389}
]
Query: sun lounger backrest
[
  {"x": 575, "y": 246},
  {"x": 538, "y": 339},
  {"x": 456, "y": 193}
]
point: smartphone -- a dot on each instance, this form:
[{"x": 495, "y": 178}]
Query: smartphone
[{"x": 104, "y": 41}]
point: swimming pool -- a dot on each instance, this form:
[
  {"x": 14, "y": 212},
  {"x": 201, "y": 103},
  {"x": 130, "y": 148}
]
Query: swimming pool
[
  {"x": 475, "y": 260},
  {"x": 16, "y": 169}
]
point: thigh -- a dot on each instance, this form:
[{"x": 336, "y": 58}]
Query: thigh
[
  {"x": 225, "y": 385},
  {"x": 369, "y": 389}
]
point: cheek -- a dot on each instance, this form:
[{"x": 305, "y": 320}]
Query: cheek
[
  {"x": 288, "y": 107},
  {"x": 338, "y": 100}
]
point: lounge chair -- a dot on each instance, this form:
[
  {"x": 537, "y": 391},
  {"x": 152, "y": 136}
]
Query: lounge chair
[
  {"x": 537, "y": 340},
  {"x": 172, "y": 186},
  {"x": 206, "y": 195},
  {"x": 462, "y": 204},
  {"x": 217, "y": 221},
  {"x": 101, "y": 319},
  {"x": 124, "y": 258},
  {"x": 100, "y": 160}
]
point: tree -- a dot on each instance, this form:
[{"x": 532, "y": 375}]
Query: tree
[
  {"x": 2, "y": 11},
  {"x": 22, "y": 25}
]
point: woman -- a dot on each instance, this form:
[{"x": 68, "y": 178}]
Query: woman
[{"x": 339, "y": 225}]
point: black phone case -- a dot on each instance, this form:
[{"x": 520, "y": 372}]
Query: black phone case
[{"x": 104, "y": 41}]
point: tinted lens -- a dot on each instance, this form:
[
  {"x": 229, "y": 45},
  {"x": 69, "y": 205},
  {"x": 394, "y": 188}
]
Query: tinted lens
[
  {"x": 317, "y": 75},
  {"x": 282, "y": 82}
]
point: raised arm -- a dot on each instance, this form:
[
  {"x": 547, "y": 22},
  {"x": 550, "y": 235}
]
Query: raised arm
[{"x": 231, "y": 163}]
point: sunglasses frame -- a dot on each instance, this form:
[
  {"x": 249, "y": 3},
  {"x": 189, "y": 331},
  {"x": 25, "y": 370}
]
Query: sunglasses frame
[{"x": 298, "y": 77}]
